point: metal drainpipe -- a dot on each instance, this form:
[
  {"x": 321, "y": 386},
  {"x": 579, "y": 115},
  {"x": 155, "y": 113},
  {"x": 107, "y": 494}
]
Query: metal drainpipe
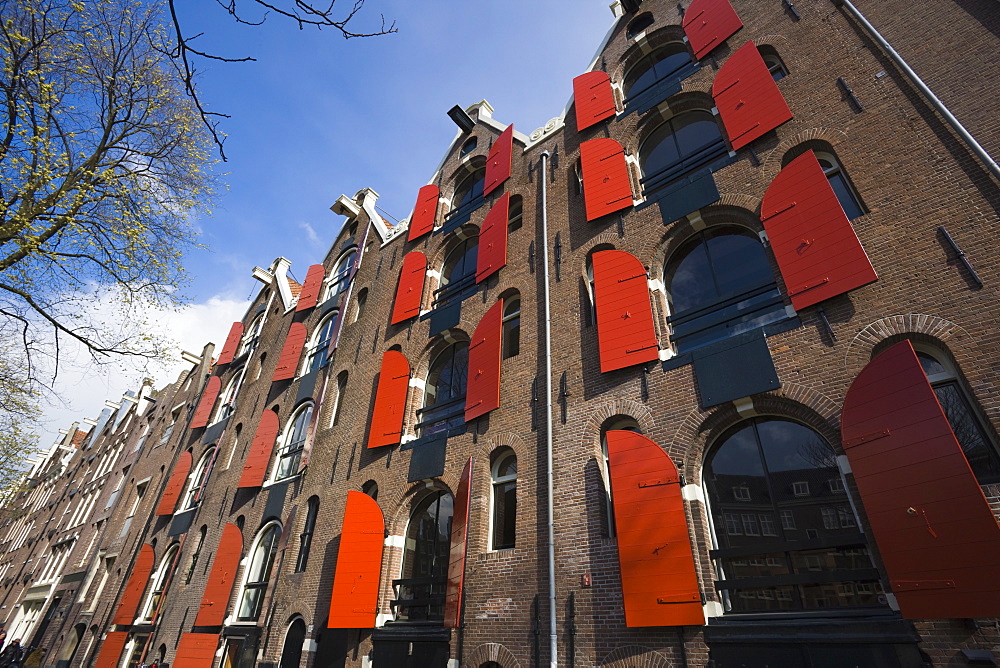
[
  {"x": 922, "y": 87},
  {"x": 550, "y": 504}
]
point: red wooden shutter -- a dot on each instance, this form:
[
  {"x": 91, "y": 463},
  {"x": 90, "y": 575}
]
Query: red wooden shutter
[
  {"x": 288, "y": 361},
  {"x": 937, "y": 535},
  {"x": 748, "y": 98},
  {"x": 659, "y": 582},
  {"x": 219, "y": 587},
  {"x": 709, "y": 23},
  {"x": 483, "y": 388},
  {"x": 493, "y": 240},
  {"x": 424, "y": 212},
  {"x": 128, "y": 604},
  {"x": 498, "y": 162},
  {"x": 459, "y": 547},
  {"x": 354, "y": 601},
  {"x": 232, "y": 344},
  {"x": 111, "y": 649},
  {"x": 594, "y": 98},
  {"x": 390, "y": 400},
  {"x": 410, "y": 289},
  {"x": 196, "y": 650},
  {"x": 255, "y": 467},
  {"x": 625, "y": 330},
  {"x": 813, "y": 242},
  {"x": 172, "y": 492},
  {"x": 606, "y": 185},
  {"x": 203, "y": 413},
  {"x": 311, "y": 288}
]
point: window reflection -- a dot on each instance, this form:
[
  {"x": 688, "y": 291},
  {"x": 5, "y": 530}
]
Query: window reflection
[{"x": 420, "y": 591}]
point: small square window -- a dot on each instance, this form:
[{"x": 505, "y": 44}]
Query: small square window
[
  {"x": 800, "y": 488},
  {"x": 741, "y": 493}
]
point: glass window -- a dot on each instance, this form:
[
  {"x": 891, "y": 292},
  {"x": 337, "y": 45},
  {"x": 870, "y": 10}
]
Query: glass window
[
  {"x": 339, "y": 399},
  {"x": 290, "y": 454},
  {"x": 511, "y": 336},
  {"x": 258, "y": 572},
  {"x": 319, "y": 347},
  {"x": 305, "y": 538},
  {"x": 470, "y": 189},
  {"x": 848, "y": 199},
  {"x": 469, "y": 146},
  {"x": 420, "y": 591},
  {"x": 197, "y": 553},
  {"x": 678, "y": 146},
  {"x": 504, "y": 518},
  {"x": 638, "y": 25},
  {"x": 199, "y": 475},
  {"x": 444, "y": 391},
  {"x": 359, "y": 312},
  {"x": 662, "y": 63},
  {"x": 291, "y": 653},
  {"x": 515, "y": 213},
  {"x": 773, "y": 61},
  {"x": 460, "y": 264},
  {"x": 226, "y": 407},
  {"x": 251, "y": 337},
  {"x": 159, "y": 583},
  {"x": 341, "y": 275},
  {"x": 622, "y": 423}
]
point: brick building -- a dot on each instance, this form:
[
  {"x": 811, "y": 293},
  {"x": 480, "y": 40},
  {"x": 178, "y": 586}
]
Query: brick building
[{"x": 696, "y": 373}]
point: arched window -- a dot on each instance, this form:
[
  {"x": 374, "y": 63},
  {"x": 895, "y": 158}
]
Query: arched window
[
  {"x": 846, "y": 195},
  {"x": 504, "y": 515},
  {"x": 371, "y": 489},
  {"x": 71, "y": 645},
  {"x": 773, "y": 61},
  {"x": 290, "y": 454},
  {"x": 444, "y": 391},
  {"x": 199, "y": 475},
  {"x": 616, "y": 423},
  {"x": 258, "y": 572},
  {"x": 319, "y": 347},
  {"x": 338, "y": 401},
  {"x": 295, "y": 637},
  {"x": 251, "y": 337},
  {"x": 469, "y": 146},
  {"x": 678, "y": 146},
  {"x": 638, "y": 25},
  {"x": 459, "y": 265},
  {"x": 305, "y": 538},
  {"x": 665, "y": 62},
  {"x": 469, "y": 189},
  {"x": 196, "y": 554},
  {"x": 362, "y": 301},
  {"x": 786, "y": 534},
  {"x": 511, "y": 336},
  {"x": 341, "y": 275},
  {"x": 159, "y": 583},
  {"x": 424, "y": 573},
  {"x": 515, "y": 213},
  {"x": 720, "y": 283}
]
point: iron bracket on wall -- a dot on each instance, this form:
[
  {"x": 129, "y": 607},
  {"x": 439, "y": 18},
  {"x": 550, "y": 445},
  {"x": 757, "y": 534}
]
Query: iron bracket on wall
[
  {"x": 961, "y": 256},
  {"x": 790, "y": 6},
  {"x": 850, "y": 94},
  {"x": 826, "y": 322}
]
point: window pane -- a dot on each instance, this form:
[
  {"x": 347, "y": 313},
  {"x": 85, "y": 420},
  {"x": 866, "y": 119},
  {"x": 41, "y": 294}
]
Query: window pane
[
  {"x": 692, "y": 284},
  {"x": 694, "y": 131},
  {"x": 978, "y": 450},
  {"x": 504, "y": 514},
  {"x": 738, "y": 263},
  {"x": 846, "y": 197},
  {"x": 659, "y": 151}
]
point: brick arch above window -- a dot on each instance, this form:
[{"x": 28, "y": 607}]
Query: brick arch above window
[
  {"x": 963, "y": 346},
  {"x": 492, "y": 651},
  {"x": 636, "y": 51},
  {"x": 776, "y": 158}
]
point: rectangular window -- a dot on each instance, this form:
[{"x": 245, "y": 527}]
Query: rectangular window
[
  {"x": 836, "y": 485},
  {"x": 829, "y": 518},
  {"x": 750, "y": 524},
  {"x": 767, "y": 526},
  {"x": 846, "y": 517},
  {"x": 800, "y": 488},
  {"x": 733, "y": 524},
  {"x": 741, "y": 493},
  {"x": 788, "y": 520}
]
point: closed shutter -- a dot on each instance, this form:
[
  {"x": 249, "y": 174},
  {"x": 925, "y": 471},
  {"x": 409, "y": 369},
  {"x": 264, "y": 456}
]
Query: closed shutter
[
  {"x": 410, "y": 289},
  {"x": 594, "y": 98},
  {"x": 498, "y": 162},
  {"x": 354, "y": 601},
  {"x": 813, "y": 242},
  {"x": 659, "y": 581},
  {"x": 424, "y": 212},
  {"x": 219, "y": 587},
  {"x": 128, "y": 604},
  {"x": 311, "y": 288},
  {"x": 749, "y": 101},
  {"x": 625, "y": 330},
  {"x": 172, "y": 492},
  {"x": 255, "y": 466},
  {"x": 111, "y": 649},
  {"x": 288, "y": 360},
  {"x": 492, "y": 253},
  {"x": 709, "y": 23},
  {"x": 390, "y": 400},
  {"x": 459, "y": 547},
  {"x": 606, "y": 185},
  {"x": 935, "y": 531},
  {"x": 232, "y": 344},
  {"x": 196, "y": 650},
  {"x": 483, "y": 387},
  {"x": 203, "y": 413}
]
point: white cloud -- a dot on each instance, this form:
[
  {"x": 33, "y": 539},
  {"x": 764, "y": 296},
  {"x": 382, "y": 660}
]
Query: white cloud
[{"x": 310, "y": 233}]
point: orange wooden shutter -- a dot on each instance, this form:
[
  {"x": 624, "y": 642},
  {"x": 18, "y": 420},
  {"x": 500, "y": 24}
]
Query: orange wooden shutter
[
  {"x": 410, "y": 289},
  {"x": 354, "y": 601},
  {"x": 594, "y": 98},
  {"x": 424, "y": 212},
  {"x": 255, "y": 467},
  {"x": 390, "y": 400},
  {"x": 498, "y": 162},
  {"x": 659, "y": 581},
  {"x": 483, "y": 387},
  {"x": 128, "y": 604},
  {"x": 709, "y": 23},
  {"x": 935, "y": 530},
  {"x": 111, "y": 649},
  {"x": 232, "y": 344},
  {"x": 204, "y": 411},
  {"x": 196, "y": 650},
  {"x": 219, "y": 587},
  {"x": 172, "y": 492},
  {"x": 311, "y": 288},
  {"x": 749, "y": 101},
  {"x": 813, "y": 241},
  {"x": 625, "y": 331},
  {"x": 288, "y": 361},
  {"x": 606, "y": 185},
  {"x": 492, "y": 253},
  {"x": 459, "y": 547}
]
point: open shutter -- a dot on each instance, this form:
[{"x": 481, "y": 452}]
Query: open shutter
[
  {"x": 354, "y": 601},
  {"x": 594, "y": 98},
  {"x": 813, "y": 242},
  {"x": 172, "y": 492},
  {"x": 219, "y": 587},
  {"x": 128, "y": 604},
  {"x": 204, "y": 411},
  {"x": 459, "y": 547},
  {"x": 483, "y": 387},
  {"x": 748, "y": 98},
  {"x": 709, "y": 23},
  {"x": 255, "y": 467},
  {"x": 311, "y": 288},
  {"x": 232, "y": 343},
  {"x": 288, "y": 361},
  {"x": 424, "y": 212},
  {"x": 492, "y": 253},
  {"x": 606, "y": 185},
  {"x": 111, "y": 649},
  {"x": 659, "y": 581},
  {"x": 410, "y": 289},
  {"x": 196, "y": 650},
  {"x": 498, "y": 162},
  {"x": 390, "y": 400},
  {"x": 935, "y": 531},
  {"x": 625, "y": 330}
]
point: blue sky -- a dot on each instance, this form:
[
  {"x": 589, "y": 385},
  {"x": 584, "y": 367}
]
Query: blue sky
[{"x": 317, "y": 116}]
